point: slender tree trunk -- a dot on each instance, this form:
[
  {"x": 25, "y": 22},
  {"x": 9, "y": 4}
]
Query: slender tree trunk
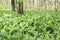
[
  {"x": 33, "y": 4},
  {"x": 56, "y": 5},
  {"x": 39, "y": 4},
  {"x": 45, "y": 4},
  {"x": 29, "y": 3},
  {"x": 12, "y": 5},
  {"x": 20, "y": 7}
]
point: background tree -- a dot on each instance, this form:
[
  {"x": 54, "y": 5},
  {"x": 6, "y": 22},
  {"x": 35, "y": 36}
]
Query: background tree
[
  {"x": 56, "y": 5},
  {"x": 13, "y": 5},
  {"x": 20, "y": 6}
]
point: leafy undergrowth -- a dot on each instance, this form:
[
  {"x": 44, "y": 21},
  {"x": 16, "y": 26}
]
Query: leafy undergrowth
[{"x": 32, "y": 25}]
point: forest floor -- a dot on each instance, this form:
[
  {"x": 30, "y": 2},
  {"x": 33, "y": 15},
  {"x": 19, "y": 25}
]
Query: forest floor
[{"x": 32, "y": 25}]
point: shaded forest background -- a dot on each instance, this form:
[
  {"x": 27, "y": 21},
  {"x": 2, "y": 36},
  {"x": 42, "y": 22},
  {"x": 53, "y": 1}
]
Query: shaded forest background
[{"x": 33, "y": 4}]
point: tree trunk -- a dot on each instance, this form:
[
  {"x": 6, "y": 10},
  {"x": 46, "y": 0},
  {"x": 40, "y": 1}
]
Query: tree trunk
[
  {"x": 56, "y": 5},
  {"x": 20, "y": 7},
  {"x": 12, "y": 5}
]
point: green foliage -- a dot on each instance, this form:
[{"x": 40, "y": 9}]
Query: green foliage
[
  {"x": 23, "y": 0},
  {"x": 33, "y": 25},
  {"x": 20, "y": 0}
]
